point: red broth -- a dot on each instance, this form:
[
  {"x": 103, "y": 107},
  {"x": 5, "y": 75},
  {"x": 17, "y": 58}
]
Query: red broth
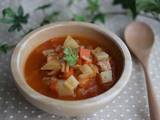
[{"x": 34, "y": 75}]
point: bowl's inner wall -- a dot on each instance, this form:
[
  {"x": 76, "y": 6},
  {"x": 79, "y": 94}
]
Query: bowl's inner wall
[{"x": 43, "y": 35}]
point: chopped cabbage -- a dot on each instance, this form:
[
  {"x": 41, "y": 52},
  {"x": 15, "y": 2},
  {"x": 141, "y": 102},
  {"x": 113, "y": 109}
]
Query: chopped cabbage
[
  {"x": 63, "y": 90},
  {"x": 71, "y": 82},
  {"x": 52, "y": 65},
  {"x": 106, "y": 76},
  {"x": 70, "y": 43}
]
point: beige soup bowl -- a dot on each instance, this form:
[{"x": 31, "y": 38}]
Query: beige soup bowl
[{"x": 113, "y": 44}]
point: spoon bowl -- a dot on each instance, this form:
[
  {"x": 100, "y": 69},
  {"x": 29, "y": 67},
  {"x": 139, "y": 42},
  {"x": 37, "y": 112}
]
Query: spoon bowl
[{"x": 139, "y": 38}]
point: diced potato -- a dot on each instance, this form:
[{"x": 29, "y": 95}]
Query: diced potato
[
  {"x": 87, "y": 72},
  {"x": 71, "y": 82},
  {"x": 70, "y": 42},
  {"x": 52, "y": 65},
  {"x": 63, "y": 90},
  {"x": 106, "y": 76},
  {"x": 104, "y": 65},
  {"x": 86, "y": 69},
  {"x": 101, "y": 56}
]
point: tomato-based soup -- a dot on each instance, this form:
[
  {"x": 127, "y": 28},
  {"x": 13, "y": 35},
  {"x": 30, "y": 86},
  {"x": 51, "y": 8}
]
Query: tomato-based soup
[{"x": 70, "y": 68}]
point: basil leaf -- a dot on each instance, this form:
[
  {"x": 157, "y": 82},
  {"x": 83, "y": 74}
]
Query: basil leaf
[
  {"x": 8, "y": 12},
  {"x": 19, "y": 27},
  {"x": 24, "y": 19},
  {"x": 71, "y": 56},
  {"x": 12, "y": 28},
  {"x": 20, "y": 11}
]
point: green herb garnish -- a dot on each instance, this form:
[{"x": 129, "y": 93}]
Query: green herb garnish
[{"x": 71, "y": 56}]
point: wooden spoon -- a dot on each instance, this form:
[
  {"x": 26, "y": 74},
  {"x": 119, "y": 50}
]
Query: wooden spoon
[{"x": 140, "y": 38}]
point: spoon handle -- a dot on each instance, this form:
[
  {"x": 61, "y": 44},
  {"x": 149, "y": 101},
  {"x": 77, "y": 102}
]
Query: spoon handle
[{"x": 154, "y": 107}]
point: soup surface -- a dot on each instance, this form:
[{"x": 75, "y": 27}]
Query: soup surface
[{"x": 70, "y": 68}]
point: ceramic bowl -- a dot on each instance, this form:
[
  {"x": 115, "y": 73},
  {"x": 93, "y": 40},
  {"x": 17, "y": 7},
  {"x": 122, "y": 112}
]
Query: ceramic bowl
[{"x": 113, "y": 43}]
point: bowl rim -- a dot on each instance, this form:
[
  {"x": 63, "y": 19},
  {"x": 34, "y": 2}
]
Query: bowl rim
[{"x": 104, "y": 97}]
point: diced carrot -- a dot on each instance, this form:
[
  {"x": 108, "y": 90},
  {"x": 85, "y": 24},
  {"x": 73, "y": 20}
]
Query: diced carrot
[
  {"x": 84, "y": 52},
  {"x": 69, "y": 73},
  {"x": 53, "y": 87}
]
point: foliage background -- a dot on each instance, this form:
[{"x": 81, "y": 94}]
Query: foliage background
[{"x": 18, "y": 17}]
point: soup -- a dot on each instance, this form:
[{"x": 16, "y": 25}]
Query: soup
[{"x": 70, "y": 68}]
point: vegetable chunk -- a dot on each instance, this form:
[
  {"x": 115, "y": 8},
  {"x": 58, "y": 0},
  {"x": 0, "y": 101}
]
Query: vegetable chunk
[
  {"x": 71, "y": 68},
  {"x": 48, "y": 52},
  {"x": 70, "y": 42},
  {"x": 52, "y": 65},
  {"x": 106, "y": 76},
  {"x": 71, "y": 83},
  {"x": 71, "y": 56},
  {"x": 63, "y": 90},
  {"x": 86, "y": 69},
  {"x": 85, "y": 54},
  {"x": 99, "y": 54},
  {"x": 97, "y": 50},
  {"x": 104, "y": 65}
]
